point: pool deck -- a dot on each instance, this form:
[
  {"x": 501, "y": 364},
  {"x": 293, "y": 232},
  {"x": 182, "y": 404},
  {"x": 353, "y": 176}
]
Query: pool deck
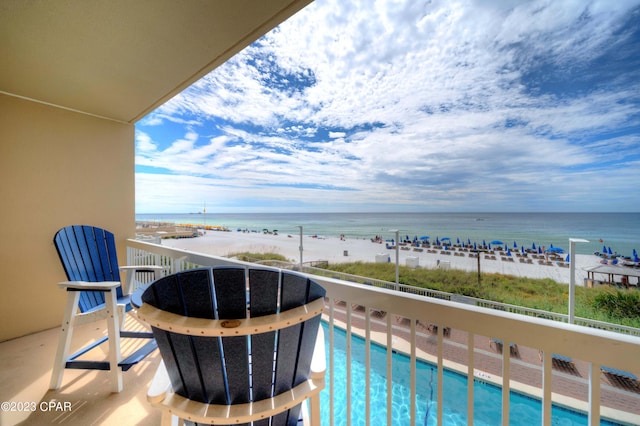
[{"x": 620, "y": 399}]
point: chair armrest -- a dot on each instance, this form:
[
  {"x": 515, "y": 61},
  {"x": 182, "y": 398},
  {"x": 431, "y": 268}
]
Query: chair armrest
[
  {"x": 160, "y": 385},
  {"x": 85, "y": 285},
  {"x": 319, "y": 359}
]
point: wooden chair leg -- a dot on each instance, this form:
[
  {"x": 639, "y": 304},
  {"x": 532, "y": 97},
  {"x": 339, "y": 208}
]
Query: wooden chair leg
[
  {"x": 64, "y": 341},
  {"x": 122, "y": 315},
  {"x": 314, "y": 410},
  {"x": 113, "y": 326}
]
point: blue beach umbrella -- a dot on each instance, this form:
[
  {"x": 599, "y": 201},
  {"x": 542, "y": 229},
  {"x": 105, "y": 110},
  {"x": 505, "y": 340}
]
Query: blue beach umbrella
[
  {"x": 604, "y": 249},
  {"x": 515, "y": 245},
  {"x": 509, "y": 252},
  {"x": 424, "y": 237},
  {"x": 497, "y": 242},
  {"x": 474, "y": 246},
  {"x": 437, "y": 241},
  {"x": 610, "y": 250},
  {"x": 566, "y": 259},
  {"x": 522, "y": 249},
  {"x": 484, "y": 243},
  {"x": 555, "y": 250},
  {"x": 539, "y": 250},
  {"x": 457, "y": 240},
  {"x": 551, "y": 245},
  {"x": 533, "y": 246}
]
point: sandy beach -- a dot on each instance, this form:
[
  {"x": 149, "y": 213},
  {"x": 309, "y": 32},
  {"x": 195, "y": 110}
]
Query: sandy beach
[{"x": 337, "y": 250}]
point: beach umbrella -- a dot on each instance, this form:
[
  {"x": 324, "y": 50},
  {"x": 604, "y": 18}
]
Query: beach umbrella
[
  {"x": 566, "y": 259},
  {"x": 515, "y": 245},
  {"x": 424, "y": 237},
  {"x": 539, "y": 250},
  {"x": 509, "y": 252},
  {"x": 469, "y": 243},
  {"x": 551, "y": 245},
  {"x": 604, "y": 249},
  {"x": 483, "y": 243},
  {"x": 610, "y": 250},
  {"x": 522, "y": 249},
  {"x": 437, "y": 241},
  {"x": 474, "y": 246},
  {"x": 533, "y": 246},
  {"x": 497, "y": 242},
  {"x": 445, "y": 240},
  {"x": 555, "y": 250},
  {"x": 489, "y": 246}
]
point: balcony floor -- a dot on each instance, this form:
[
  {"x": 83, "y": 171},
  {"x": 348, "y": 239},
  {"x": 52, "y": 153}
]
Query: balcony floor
[{"x": 25, "y": 371}]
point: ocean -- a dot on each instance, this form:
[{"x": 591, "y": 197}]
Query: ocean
[{"x": 618, "y": 231}]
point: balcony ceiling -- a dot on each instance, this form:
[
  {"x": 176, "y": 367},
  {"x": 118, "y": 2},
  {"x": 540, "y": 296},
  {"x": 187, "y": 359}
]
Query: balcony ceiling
[{"x": 121, "y": 59}]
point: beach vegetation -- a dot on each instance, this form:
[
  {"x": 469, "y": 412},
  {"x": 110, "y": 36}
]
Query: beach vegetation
[
  {"x": 618, "y": 303},
  {"x": 618, "y": 306},
  {"x": 258, "y": 257}
]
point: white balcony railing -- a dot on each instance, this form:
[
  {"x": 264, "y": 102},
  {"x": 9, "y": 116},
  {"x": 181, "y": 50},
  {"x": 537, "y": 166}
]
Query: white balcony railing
[{"x": 555, "y": 362}]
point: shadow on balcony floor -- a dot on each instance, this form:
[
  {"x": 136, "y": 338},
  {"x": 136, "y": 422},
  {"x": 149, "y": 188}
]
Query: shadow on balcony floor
[{"x": 25, "y": 371}]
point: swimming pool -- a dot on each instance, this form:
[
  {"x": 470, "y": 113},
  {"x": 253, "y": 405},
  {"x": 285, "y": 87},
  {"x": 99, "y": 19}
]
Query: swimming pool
[{"x": 524, "y": 411}]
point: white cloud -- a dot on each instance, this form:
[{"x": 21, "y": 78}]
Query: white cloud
[
  {"x": 444, "y": 105},
  {"x": 144, "y": 144}
]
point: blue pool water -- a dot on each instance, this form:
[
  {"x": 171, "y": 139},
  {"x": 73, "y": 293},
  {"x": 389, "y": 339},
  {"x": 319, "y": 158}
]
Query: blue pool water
[{"x": 524, "y": 411}]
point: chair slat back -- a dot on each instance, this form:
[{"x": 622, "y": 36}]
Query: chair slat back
[
  {"x": 88, "y": 254},
  {"x": 238, "y": 369}
]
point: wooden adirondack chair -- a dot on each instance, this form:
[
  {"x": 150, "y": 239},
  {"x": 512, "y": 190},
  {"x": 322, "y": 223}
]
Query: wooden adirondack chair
[
  {"x": 237, "y": 345},
  {"x": 94, "y": 292}
]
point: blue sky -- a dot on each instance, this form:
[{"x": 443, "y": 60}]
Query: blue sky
[{"x": 410, "y": 106}]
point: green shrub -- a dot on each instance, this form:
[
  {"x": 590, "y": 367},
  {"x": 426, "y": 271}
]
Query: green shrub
[
  {"x": 256, "y": 257},
  {"x": 619, "y": 304}
]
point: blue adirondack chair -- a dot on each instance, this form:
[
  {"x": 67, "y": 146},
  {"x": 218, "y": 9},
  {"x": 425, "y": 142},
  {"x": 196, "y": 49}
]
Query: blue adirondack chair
[
  {"x": 94, "y": 292},
  {"x": 237, "y": 345}
]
